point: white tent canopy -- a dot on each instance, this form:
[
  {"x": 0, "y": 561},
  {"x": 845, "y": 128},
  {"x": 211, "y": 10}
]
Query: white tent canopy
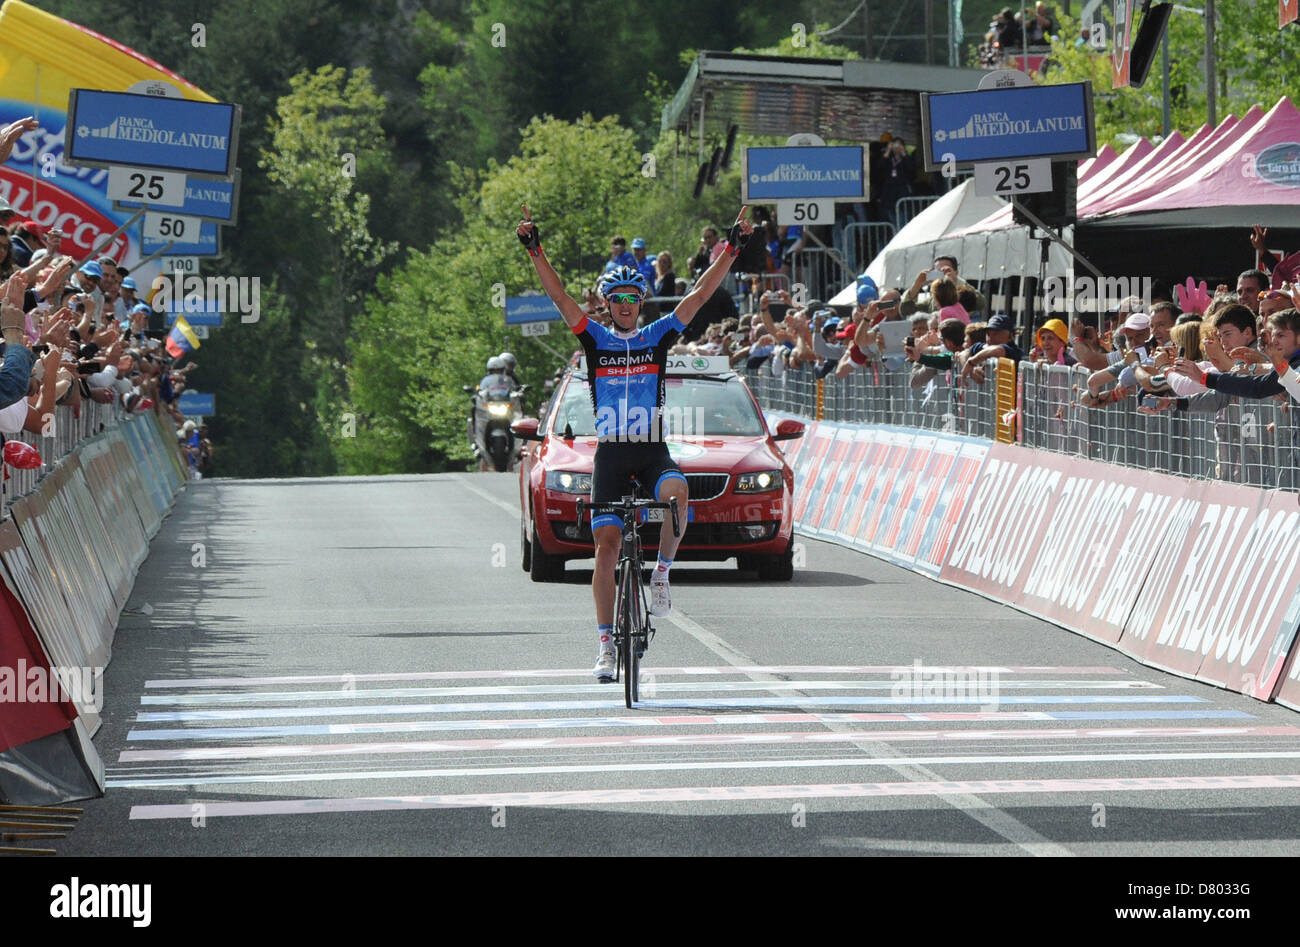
[{"x": 926, "y": 236}]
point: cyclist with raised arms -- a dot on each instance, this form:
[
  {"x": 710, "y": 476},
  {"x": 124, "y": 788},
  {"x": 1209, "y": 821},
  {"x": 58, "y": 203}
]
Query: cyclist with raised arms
[{"x": 625, "y": 371}]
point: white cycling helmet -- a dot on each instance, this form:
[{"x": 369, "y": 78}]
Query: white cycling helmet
[{"x": 496, "y": 364}]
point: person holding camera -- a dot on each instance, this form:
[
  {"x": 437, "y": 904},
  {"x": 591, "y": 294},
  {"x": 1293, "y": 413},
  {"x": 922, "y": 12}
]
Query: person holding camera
[{"x": 900, "y": 169}]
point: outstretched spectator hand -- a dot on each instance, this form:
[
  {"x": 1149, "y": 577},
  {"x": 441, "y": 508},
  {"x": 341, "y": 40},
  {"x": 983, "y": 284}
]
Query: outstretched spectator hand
[
  {"x": 10, "y": 134},
  {"x": 1193, "y": 298},
  {"x": 1244, "y": 353}
]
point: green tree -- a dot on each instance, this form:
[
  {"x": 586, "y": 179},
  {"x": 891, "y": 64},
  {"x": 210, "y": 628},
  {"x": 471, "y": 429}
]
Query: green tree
[
  {"x": 1257, "y": 64},
  {"x": 430, "y": 328}
]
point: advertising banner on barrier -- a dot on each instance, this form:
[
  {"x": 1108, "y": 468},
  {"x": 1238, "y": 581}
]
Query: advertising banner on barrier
[
  {"x": 107, "y": 484},
  {"x": 893, "y": 492},
  {"x": 1288, "y": 694},
  {"x": 151, "y": 475},
  {"x": 162, "y": 432},
  {"x": 1197, "y": 578},
  {"x": 846, "y": 495},
  {"x": 832, "y": 469},
  {"x": 807, "y": 470},
  {"x": 136, "y": 490},
  {"x": 92, "y": 535},
  {"x": 96, "y": 520},
  {"x": 30, "y": 576},
  {"x": 23, "y": 664},
  {"x": 1048, "y": 533},
  {"x": 853, "y": 444},
  {"x": 885, "y": 488},
  {"x": 1220, "y": 601},
  {"x": 924, "y": 500},
  {"x": 85, "y": 592}
]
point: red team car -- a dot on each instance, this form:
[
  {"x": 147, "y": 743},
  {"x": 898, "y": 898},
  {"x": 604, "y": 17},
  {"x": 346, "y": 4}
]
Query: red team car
[{"x": 740, "y": 484}]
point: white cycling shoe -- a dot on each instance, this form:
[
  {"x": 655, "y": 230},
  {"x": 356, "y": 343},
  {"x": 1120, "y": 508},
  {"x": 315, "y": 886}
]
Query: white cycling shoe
[
  {"x": 606, "y": 665},
  {"x": 661, "y": 600}
]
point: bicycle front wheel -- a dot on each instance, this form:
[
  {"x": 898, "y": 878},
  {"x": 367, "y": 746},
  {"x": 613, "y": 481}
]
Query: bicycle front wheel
[{"x": 629, "y": 626}]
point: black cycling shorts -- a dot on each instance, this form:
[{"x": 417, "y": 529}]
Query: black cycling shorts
[{"x": 617, "y": 463}]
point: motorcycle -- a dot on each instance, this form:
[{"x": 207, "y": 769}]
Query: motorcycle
[{"x": 494, "y": 410}]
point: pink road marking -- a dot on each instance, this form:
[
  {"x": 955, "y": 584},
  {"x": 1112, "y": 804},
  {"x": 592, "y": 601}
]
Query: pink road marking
[
  {"x": 704, "y": 739},
  {"x": 590, "y": 797},
  {"x": 586, "y": 672}
]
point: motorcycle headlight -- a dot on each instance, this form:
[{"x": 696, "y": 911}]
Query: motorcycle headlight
[
  {"x": 762, "y": 481},
  {"x": 498, "y": 410},
  {"x": 567, "y": 481}
]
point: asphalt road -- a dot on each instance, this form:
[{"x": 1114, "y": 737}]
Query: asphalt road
[{"x": 359, "y": 666}]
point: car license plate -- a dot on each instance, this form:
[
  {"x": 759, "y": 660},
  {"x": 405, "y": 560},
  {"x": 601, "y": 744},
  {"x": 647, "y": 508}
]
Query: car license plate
[{"x": 657, "y": 516}]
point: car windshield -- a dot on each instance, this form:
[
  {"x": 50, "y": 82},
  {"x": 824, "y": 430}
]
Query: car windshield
[{"x": 692, "y": 407}]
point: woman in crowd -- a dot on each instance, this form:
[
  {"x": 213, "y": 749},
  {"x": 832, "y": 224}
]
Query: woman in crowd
[{"x": 666, "y": 279}]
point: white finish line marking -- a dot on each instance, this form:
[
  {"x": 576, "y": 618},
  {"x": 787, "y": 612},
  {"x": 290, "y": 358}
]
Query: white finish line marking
[
  {"x": 219, "y": 809},
  {"x": 675, "y": 687},
  {"x": 691, "y": 739},
  {"x": 147, "y": 781},
  {"x": 704, "y": 671},
  {"x": 980, "y": 810},
  {"x": 835, "y": 721},
  {"x": 266, "y": 713}
]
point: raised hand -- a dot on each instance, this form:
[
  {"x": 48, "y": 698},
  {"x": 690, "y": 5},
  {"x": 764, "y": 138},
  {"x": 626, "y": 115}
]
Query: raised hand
[
  {"x": 10, "y": 134},
  {"x": 527, "y": 231},
  {"x": 1193, "y": 298},
  {"x": 1258, "y": 236},
  {"x": 739, "y": 233}
]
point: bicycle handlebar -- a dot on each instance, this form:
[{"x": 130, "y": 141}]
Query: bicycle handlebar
[{"x": 628, "y": 505}]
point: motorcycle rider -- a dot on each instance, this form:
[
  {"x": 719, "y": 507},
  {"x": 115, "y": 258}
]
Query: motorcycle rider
[
  {"x": 496, "y": 377},
  {"x": 512, "y": 366}
]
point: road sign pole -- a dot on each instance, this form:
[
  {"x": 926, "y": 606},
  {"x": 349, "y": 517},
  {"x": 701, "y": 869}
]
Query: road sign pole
[
  {"x": 109, "y": 239},
  {"x": 151, "y": 257}
]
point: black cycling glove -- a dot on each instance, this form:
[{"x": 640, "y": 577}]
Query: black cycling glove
[
  {"x": 533, "y": 241},
  {"x": 737, "y": 239}
]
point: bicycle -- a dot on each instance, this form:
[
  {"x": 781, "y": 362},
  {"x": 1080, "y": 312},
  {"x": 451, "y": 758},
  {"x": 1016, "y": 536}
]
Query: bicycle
[{"x": 632, "y": 629}]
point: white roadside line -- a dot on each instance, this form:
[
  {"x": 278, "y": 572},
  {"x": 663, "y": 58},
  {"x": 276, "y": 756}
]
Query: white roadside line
[
  {"x": 463, "y": 480},
  {"x": 985, "y": 813}
]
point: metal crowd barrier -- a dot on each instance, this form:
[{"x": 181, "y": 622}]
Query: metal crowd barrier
[
  {"x": 875, "y": 394},
  {"x": 865, "y": 241},
  {"x": 1254, "y": 443},
  {"x": 909, "y": 207},
  {"x": 1248, "y": 442},
  {"x": 818, "y": 269},
  {"x": 69, "y": 431}
]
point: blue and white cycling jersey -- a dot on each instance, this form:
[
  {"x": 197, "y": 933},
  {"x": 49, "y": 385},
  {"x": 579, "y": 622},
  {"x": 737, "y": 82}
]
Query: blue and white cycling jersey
[{"x": 626, "y": 374}]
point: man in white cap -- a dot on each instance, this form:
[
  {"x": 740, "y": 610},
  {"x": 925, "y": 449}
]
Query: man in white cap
[{"x": 1136, "y": 330}]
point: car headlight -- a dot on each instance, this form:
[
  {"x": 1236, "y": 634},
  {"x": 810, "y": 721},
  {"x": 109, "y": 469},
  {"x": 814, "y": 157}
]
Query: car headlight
[
  {"x": 761, "y": 481},
  {"x": 498, "y": 410},
  {"x": 566, "y": 481}
]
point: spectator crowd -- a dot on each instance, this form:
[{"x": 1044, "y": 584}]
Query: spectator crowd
[
  {"x": 79, "y": 333},
  {"x": 1182, "y": 351}
]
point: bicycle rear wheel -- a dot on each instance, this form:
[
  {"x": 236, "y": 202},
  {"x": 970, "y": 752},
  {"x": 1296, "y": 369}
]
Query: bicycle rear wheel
[{"x": 629, "y": 627}]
